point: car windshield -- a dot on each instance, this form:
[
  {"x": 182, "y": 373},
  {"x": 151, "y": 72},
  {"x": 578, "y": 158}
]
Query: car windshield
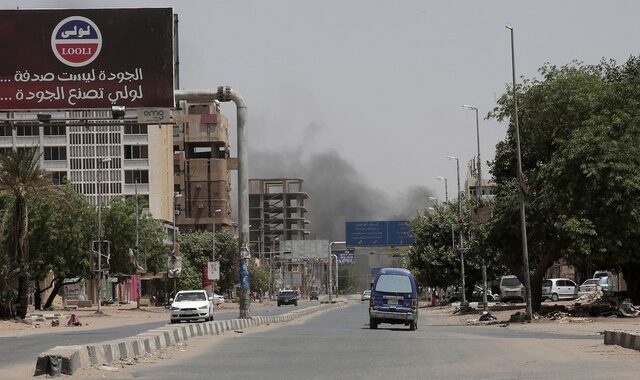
[
  {"x": 512, "y": 281},
  {"x": 287, "y": 293},
  {"x": 546, "y": 283},
  {"x": 191, "y": 296},
  {"x": 590, "y": 282},
  {"x": 393, "y": 284}
]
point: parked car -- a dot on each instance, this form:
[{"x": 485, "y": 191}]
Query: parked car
[
  {"x": 511, "y": 289},
  {"x": 611, "y": 283},
  {"x": 313, "y": 295},
  {"x": 589, "y": 286},
  {"x": 191, "y": 305},
  {"x": 477, "y": 295},
  {"x": 287, "y": 297},
  {"x": 394, "y": 298},
  {"x": 366, "y": 295},
  {"x": 218, "y": 299},
  {"x": 559, "y": 288}
]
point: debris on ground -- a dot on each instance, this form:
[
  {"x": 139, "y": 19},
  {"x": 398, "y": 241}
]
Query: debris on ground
[
  {"x": 627, "y": 309},
  {"x": 73, "y": 321},
  {"x": 55, "y": 322},
  {"x": 518, "y": 317},
  {"x": 486, "y": 316}
]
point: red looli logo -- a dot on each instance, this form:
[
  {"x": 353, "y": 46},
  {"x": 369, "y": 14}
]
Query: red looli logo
[{"x": 76, "y": 41}]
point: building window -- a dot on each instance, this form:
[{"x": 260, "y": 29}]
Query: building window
[
  {"x": 136, "y": 151},
  {"x": 135, "y": 129},
  {"x": 28, "y": 130},
  {"x": 54, "y": 130},
  {"x": 55, "y": 153},
  {"x": 5, "y": 130},
  {"x": 176, "y": 131},
  {"x": 133, "y": 176},
  {"x": 58, "y": 178}
]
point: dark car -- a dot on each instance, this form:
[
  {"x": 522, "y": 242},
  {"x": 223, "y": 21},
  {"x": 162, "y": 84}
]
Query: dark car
[
  {"x": 313, "y": 295},
  {"x": 288, "y": 297}
]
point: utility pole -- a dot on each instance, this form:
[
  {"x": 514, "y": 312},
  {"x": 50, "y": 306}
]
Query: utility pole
[
  {"x": 464, "y": 297},
  {"x": 139, "y": 282},
  {"x": 523, "y": 219},
  {"x": 331, "y": 244},
  {"x": 99, "y": 175}
]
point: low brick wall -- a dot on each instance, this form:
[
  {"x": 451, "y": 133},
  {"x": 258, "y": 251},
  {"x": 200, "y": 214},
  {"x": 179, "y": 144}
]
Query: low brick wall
[{"x": 626, "y": 339}]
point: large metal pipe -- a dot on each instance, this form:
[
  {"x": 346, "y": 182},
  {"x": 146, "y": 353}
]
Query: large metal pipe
[{"x": 226, "y": 94}]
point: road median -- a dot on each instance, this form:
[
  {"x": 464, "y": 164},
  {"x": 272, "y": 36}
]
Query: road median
[{"x": 69, "y": 359}]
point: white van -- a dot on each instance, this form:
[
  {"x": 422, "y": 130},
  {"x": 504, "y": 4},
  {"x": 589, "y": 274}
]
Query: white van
[{"x": 511, "y": 289}]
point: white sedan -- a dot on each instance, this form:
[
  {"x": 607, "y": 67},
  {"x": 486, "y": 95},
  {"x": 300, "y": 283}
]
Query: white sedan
[{"x": 191, "y": 305}]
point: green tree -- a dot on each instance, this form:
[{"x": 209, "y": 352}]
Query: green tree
[
  {"x": 22, "y": 178},
  {"x": 260, "y": 278},
  {"x": 60, "y": 239},
  {"x": 579, "y": 129},
  {"x": 432, "y": 257}
]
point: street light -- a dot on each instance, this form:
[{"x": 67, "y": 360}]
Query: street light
[
  {"x": 523, "y": 221},
  {"x": 446, "y": 191},
  {"x": 479, "y": 197},
  {"x": 213, "y": 231},
  {"x": 330, "y": 269},
  {"x": 337, "y": 275},
  {"x": 464, "y": 297},
  {"x": 99, "y": 175}
]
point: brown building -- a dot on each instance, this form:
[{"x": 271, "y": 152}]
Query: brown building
[
  {"x": 276, "y": 211},
  {"x": 201, "y": 165}
]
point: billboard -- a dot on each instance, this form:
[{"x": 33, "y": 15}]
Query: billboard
[
  {"x": 86, "y": 58},
  {"x": 378, "y": 233},
  {"x": 305, "y": 249}
]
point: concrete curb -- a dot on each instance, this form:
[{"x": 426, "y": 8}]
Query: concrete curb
[
  {"x": 626, "y": 339},
  {"x": 69, "y": 359}
]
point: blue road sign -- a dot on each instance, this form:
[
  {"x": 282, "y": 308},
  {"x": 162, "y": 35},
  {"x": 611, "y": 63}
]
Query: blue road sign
[{"x": 378, "y": 233}]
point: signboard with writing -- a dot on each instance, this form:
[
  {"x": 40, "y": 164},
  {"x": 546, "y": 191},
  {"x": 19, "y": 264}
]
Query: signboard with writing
[
  {"x": 345, "y": 256},
  {"x": 305, "y": 249},
  {"x": 378, "y": 233},
  {"x": 86, "y": 58},
  {"x": 213, "y": 270}
]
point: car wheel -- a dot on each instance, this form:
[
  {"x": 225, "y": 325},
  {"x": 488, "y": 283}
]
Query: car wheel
[
  {"x": 413, "y": 325},
  {"x": 173, "y": 321},
  {"x": 278, "y": 304},
  {"x": 554, "y": 297},
  {"x": 373, "y": 324},
  {"x": 295, "y": 303}
]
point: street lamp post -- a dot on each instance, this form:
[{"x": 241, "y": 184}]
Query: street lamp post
[
  {"x": 139, "y": 283},
  {"x": 479, "y": 197},
  {"x": 213, "y": 233},
  {"x": 331, "y": 244},
  {"x": 337, "y": 276},
  {"x": 523, "y": 220},
  {"x": 99, "y": 175},
  {"x": 176, "y": 195},
  {"x": 464, "y": 297},
  {"x": 446, "y": 191}
]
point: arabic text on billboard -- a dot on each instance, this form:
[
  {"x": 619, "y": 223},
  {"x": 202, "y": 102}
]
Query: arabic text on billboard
[
  {"x": 378, "y": 233},
  {"x": 86, "y": 58},
  {"x": 345, "y": 256}
]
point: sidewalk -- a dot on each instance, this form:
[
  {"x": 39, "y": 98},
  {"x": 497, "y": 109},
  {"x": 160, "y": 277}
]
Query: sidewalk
[
  {"x": 113, "y": 315},
  {"x": 443, "y": 315}
]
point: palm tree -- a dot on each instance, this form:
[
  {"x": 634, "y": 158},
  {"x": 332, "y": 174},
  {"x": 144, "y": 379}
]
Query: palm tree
[{"x": 21, "y": 177}]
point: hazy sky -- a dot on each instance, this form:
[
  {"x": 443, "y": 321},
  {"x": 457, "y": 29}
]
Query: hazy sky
[{"x": 381, "y": 83}]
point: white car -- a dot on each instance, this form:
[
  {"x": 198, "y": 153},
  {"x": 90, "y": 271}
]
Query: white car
[
  {"x": 191, "y": 305},
  {"x": 557, "y": 288},
  {"x": 366, "y": 295},
  {"x": 218, "y": 299}
]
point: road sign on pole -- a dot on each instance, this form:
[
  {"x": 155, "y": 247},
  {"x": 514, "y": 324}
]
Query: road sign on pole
[{"x": 213, "y": 270}]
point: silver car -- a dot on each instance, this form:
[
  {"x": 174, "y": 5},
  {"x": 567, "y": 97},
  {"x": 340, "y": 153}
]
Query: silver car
[{"x": 557, "y": 288}]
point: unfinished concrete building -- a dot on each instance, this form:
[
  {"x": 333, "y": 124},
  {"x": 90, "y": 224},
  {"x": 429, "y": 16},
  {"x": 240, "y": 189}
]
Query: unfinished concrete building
[
  {"x": 276, "y": 211},
  {"x": 201, "y": 165}
]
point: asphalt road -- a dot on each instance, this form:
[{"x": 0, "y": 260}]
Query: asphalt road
[
  {"x": 338, "y": 344},
  {"x": 25, "y": 349}
]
